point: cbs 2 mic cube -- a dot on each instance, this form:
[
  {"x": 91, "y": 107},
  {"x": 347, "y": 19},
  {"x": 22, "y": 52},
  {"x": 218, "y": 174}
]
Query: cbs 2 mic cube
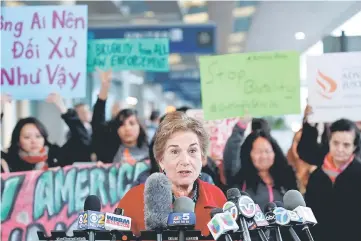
[{"x": 91, "y": 220}]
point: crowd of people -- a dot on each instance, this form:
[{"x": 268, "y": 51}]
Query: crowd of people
[{"x": 325, "y": 167}]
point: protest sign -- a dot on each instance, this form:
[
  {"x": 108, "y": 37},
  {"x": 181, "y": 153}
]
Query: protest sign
[
  {"x": 43, "y": 50},
  {"x": 261, "y": 84},
  {"x": 51, "y": 200},
  {"x": 128, "y": 54},
  {"x": 334, "y": 82}
]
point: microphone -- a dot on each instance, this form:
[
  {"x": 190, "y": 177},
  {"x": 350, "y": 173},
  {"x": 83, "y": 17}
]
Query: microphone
[
  {"x": 268, "y": 210},
  {"x": 293, "y": 200},
  {"x": 91, "y": 219},
  {"x": 157, "y": 203},
  {"x": 221, "y": 224},
  {"x": 183, "y": 216},
  {"x": 117, "y": 221},
  {"x": 246, "y": 207},
  {"x": 292, "y": 217},
  {"x": 230, "y": 207},
  {"x": 271, "y": 217},
  {"x": 259, "y": 221}
]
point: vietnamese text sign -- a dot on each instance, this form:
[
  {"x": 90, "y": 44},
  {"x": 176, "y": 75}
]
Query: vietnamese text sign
[
  {"x": 128, "y": 54},
  {"x": 43, "y": 50},
  {"x": 334, "y": 82},
  {"x": 262, "y": 84},
  {"x": 51, "y": 200}
]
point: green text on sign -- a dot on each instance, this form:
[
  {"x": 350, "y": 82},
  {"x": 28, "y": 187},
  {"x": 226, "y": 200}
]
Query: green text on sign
[
  {"x": 263, "y": 84},
  {"x": 128, "y": 54}
]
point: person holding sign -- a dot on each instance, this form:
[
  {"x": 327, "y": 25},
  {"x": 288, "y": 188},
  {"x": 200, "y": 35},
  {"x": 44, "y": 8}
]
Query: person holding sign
[
  {"x": 30, "y": 148},
  {"x": 333, "y": 190},
  {"x": 122, "y": 139}
]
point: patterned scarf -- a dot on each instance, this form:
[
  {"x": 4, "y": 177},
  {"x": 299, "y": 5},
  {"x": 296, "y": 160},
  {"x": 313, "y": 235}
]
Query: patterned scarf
[
  {"x": 330, "y": 168},
  {"x": 35, "y": 157}
]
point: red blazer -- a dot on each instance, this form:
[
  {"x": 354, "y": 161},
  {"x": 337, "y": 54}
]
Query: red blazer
[{"x": 209, "y": 197}]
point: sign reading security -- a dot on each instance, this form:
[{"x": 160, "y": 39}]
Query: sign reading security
[{"x": 334, "y": 82}]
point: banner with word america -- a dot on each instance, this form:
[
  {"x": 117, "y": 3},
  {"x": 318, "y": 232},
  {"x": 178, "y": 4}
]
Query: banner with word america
[{"x": 51, "y": 200}]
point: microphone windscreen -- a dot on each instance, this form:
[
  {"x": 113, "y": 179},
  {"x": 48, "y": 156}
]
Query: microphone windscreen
[
  {"x": 183, "y": 205},
  {"x": 214, "y": 211},
  {"x": 92, "y": 203},
  {"x": 292, "y": 199},
  {"x": 245, "y": 194},
  {"x": 279, "y": 204},
  {"x": 233, "y": 193},
  {"x": 269, "y": 207},
  {"x": 118, "y": 211},
  {"x": 157, "y": 201}
]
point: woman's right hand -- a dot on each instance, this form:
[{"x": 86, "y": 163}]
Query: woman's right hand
[
  {"x": 307, "y": 113},
  {"x": 5, "y": 98},
  {"x": 105, "y": 78}
]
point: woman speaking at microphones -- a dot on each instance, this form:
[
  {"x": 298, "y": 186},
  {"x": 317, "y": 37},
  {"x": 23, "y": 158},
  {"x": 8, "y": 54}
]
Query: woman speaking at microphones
[{"x": 181, "y": 143}]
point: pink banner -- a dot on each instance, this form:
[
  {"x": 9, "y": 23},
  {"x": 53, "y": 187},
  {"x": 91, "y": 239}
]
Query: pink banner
[
  {"x": 219, "y": 131},
  {"x": 51, "y": 200}
]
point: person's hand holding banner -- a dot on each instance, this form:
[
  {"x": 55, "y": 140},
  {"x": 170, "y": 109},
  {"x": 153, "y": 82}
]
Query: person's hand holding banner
[
  {"x": 106, "y": 79},
  {"x": 58, "y": 101}
]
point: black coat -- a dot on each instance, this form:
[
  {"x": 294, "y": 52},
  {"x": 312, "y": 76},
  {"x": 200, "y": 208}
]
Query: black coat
[
  {"x": 336, "y": 206},
  {"x": 77, "y": 149}
]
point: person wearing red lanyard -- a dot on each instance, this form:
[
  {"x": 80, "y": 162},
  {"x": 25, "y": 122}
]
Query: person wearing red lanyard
[{"x": 265, "y": 174}]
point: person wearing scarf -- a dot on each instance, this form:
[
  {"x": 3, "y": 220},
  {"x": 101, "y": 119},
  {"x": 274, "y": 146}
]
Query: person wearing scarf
[
  {"x": 30, "y": 149},
  {"x": 334, "y": 188}
]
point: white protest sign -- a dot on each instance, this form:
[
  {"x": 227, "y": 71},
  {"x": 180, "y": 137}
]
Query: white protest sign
[
  {"x": 44, "y": 50},
  {"x": 334, "y": 84}
]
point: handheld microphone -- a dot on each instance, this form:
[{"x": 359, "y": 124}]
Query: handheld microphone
[
  {"x": 246, "y": 207},
  {"x": 290, "y": 217},
  {"x": 231, "y": 208},
  {"x": 221, "y": 224},
  {"x": 117, "y": 221},
  {"x": 293, "y": 200},
  {"x": 91, "y": 219},
  {"x": 258, "y": 222},
  {"x": 272, "y": 219},
  {"x": 268, "y": 210},
  {"x": 183, "y": 216},
  {"x": 157, "y": 203}
]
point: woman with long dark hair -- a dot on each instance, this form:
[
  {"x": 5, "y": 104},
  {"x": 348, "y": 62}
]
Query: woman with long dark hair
[
  {"x": 265, "y": 173},
  {"x": 123, "y": 139},
  {"x": 30, "y": 148}
]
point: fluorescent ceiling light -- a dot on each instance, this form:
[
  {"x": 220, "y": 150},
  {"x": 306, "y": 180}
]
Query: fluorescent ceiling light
[
  {"x": 145, "y": 21},
  {"x": 194, "y": 3},
  {"x": 237, "y": 37},
  {"x": 300, "y": 35},
  {"x": 196, "y": 18},
  {"x": 149, "y": 14},
  {"x": 234, "y": 49},
  {"x": 131, "y": 100},
  {"x": 174, "y": 59},
  {"x": 13, "y": 3},
  {"x": 243, "y": 12}
]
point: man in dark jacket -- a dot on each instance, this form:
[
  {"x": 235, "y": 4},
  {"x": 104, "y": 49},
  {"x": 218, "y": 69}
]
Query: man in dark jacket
[{"x": 334, "y": 189}]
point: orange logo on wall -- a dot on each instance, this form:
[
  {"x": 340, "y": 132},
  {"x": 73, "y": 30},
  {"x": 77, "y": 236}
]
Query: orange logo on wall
[{"x": 327, "y": 84}]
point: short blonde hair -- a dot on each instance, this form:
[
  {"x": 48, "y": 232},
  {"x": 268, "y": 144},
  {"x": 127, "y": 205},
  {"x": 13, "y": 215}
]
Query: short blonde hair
[{"x": 174, "y": 122}]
